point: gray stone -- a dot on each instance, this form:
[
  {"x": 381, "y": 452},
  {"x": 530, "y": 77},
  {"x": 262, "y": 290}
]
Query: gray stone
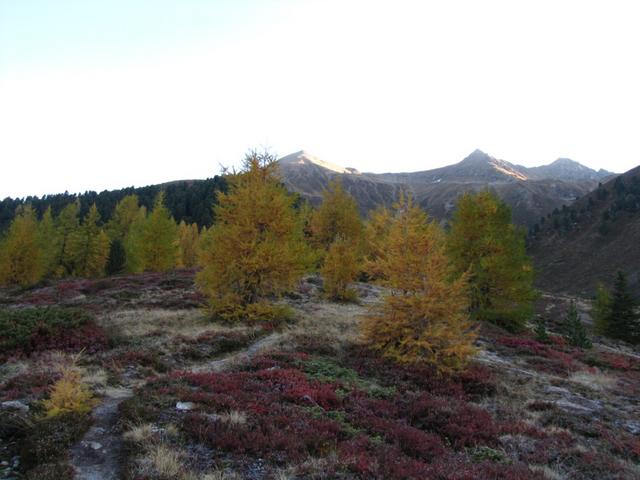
[
  {"x": 184, "y": 406},
  {"x": 15, "y": 405},
  {"x": 632, "y": 427}
]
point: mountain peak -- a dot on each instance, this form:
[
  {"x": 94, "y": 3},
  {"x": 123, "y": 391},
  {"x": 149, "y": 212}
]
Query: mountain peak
[
  {"x": 477, "y": 156},
  {"x": 305, "y": 158}
]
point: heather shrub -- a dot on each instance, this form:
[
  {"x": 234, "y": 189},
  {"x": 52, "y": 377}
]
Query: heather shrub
[{"x": 51, "y": 328}]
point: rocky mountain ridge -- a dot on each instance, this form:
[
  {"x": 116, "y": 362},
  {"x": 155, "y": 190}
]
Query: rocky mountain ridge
[{"x": 531, "y": 192}]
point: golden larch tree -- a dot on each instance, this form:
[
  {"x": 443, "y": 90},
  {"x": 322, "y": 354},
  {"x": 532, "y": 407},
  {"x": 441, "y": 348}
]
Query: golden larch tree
[
  {"x": 46, "y": 242},
  {"x": 89, "y": 246},
  {"x": 424, "y": 318},
  {"x": 21, "y": 260},
  {"x": 133, "y": 242},
  {"x": 338, "y": 215},
  {"x": 124, "y": 215},
  {"x": 255, "y": 250},
  {"x": 376, "y": 233},
  {"x": 188, "y": 237},
  {"x": 155, "y": 240},
  {"x": 337, "y": 233},
  {"x": 66, "y": 223},
  {"x": 483, "y": 242},
  {"x": 340, "y": 269}
]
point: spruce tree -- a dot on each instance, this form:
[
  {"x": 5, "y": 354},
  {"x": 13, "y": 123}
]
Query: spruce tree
[
  {"x": 424, "y": 318},
  {"x": 21, "y": 258},
  {"x": 574, "y": 331},
  {"x": 602, "y": 310},
  {"x": 484, "y": 242},
  {"x": 89, "y": 246},
  {"x": 255, "y": 251},
  {"x": 623, "y": 323}
]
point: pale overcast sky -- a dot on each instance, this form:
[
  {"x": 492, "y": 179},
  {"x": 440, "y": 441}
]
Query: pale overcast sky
[{"x": 104, "y": 94}]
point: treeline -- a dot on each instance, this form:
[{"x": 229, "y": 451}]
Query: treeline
[
  {"x": 605, "y": 206},
  {"x": 135, "y": 239},
  {"x": 190, "y": 201}
]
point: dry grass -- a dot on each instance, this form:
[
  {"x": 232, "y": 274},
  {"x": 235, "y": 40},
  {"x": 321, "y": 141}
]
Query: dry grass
[
  {"x": 234, "y": 417},
  {"x": 596, "y": 381},
  {"x": 141, "y": 434},
  {"x": 154, "y": 327},
  {"x": 95, "y": 377},
  {"x": 219, "y": 475},
  {"x": 548, "y": 472},
  {"x": 164, "y": 462},
  {"x": 333, "y": 323}
]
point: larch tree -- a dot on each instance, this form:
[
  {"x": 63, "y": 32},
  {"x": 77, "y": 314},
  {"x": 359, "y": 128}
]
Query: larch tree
[
  {"x": 133, "y": 242},
  {"x": 188, "y": 237},
  {"x": 483, "y": 242},
  {"x": 425, "y": 317},
  {"x": 340, "y": 268},
  {"x": 66, "y": 223},
  {"x": 124, "y": 215},
  {"x": 337, "y": 232},
  {"x": 89, "y": 246},
  {"x": 156, "y": 239},
  {"x": 337, "y": 216},
  {"x": 21, "y": 261},
  {"x": 46, "y": 242},
  {"x": 376, "y": 233},
  {"x": 255, "y": 250}
]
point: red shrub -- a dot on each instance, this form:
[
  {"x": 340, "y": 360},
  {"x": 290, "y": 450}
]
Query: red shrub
[
  {"x": 461, "y": 423},
  {"x": 544, "y": 357},
  {"x": 90, "y": 338},
  {"x": 27, "y": 385}
]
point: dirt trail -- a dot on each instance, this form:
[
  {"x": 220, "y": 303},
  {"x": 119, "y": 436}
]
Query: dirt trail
[
  {"x": 238, "y": 357},
  {"x": 98, "y": 455}
]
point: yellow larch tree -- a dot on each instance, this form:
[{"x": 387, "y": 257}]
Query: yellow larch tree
[
  {"x": 337, "y": 232},
  {"x": 155, "y": 239},
  {"x": 21, "y": 260},
  {"x": 483, "y": 242},
  {"x": 424, "y": 318},
  {"x": 46, "y": 242},
  {"x": 188, "y": 237},
  {"x": 66, "y": 224},
  {"x": 124, "y": 215},
  {"x": 89, "y": 246},
  {"x": 255, "y": 250},
  {"x": 338, "y": 215},
  {"x": 376, "y": 234},
  {"x": 339, "y": 270}
]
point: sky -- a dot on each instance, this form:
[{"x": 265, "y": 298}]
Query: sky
[{"x": 98, "y": 95}]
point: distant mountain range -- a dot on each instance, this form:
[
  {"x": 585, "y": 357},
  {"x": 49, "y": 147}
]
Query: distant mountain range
[
  {"x": 531, "y": 192},
  {"x": 579, "y": 245}
]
